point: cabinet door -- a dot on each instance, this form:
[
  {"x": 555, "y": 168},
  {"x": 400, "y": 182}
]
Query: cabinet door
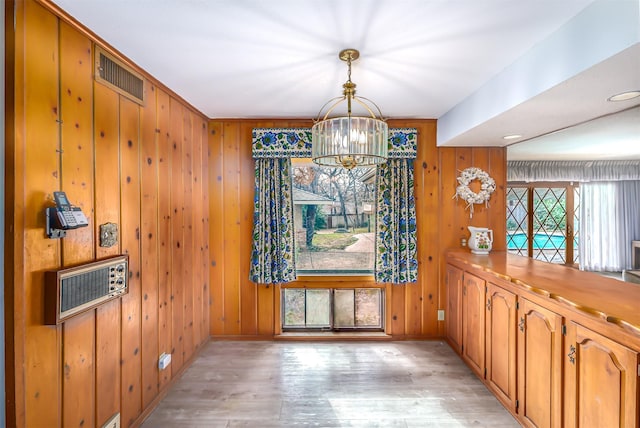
[
  {"x": 539, "y": 366},
  {"x": 453, "y": 316},
  {"x": 473, "y": 307},
  {"x": 601, "y": 381},
  {"x": 501, "y": 344}
]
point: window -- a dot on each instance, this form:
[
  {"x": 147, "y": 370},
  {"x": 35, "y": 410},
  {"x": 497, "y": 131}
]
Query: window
[
  {"x": 332, "y": 216},
  {"x": 541, "y": 219},
  {"x": 332, "y": 309}
]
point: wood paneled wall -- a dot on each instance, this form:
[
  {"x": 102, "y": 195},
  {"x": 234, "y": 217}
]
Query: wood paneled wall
[
  {"x": 242, "y": 308},
  {"x": 142, "y": 167}
]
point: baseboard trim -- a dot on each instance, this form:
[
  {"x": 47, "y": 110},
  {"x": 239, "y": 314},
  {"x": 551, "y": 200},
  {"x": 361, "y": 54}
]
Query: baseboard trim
[{"x": 327, "y": 336}]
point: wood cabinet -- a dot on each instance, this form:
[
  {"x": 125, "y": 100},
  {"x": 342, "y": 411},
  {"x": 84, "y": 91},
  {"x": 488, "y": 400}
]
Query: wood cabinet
[
  {"x": 539, "y": 366},
  {"x": 453, "y": 316},
  {"x": 473, "y": 319},
  {"x": 601, "y": 381},
  {"x": 501, "y": 344},
  {"x": 554, "y": 356}
]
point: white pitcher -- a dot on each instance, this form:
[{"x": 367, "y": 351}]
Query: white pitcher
[{"x": 480, "y": 240}]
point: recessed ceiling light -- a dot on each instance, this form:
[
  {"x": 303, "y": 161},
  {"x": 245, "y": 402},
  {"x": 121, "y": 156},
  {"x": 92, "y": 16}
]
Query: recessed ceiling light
[
  {"x": 624, "y": 96},
  {"x": 511, "y": 137}
]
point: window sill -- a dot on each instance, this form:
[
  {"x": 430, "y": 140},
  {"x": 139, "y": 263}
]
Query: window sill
[{"x": 334, "y": 335}]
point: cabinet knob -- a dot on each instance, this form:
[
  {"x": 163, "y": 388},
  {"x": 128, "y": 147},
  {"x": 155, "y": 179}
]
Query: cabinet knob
[
  {"x": 488, "y": 304},
  {"x": 521, "y": 324}
]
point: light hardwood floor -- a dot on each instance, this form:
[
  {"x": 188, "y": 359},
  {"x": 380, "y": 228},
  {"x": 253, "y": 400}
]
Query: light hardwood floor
[{"x": 328, "y": 384}]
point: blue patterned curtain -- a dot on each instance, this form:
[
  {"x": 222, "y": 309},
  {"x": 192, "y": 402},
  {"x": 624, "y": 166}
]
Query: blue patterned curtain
[
  {"x": 396, "y": 253},
  {"x": 272, "y": 253}
]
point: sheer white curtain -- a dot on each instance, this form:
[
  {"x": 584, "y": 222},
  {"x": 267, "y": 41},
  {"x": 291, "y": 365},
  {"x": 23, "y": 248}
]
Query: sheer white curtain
[{"x": 610, "y": 220}]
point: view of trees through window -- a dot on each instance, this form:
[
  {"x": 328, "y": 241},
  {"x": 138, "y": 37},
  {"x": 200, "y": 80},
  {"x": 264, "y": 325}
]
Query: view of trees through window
[{"x": 333, "y": 218}]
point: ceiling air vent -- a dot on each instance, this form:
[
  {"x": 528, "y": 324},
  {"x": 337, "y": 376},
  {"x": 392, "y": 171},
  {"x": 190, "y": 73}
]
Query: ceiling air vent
[{"x": 118, "y": 76}]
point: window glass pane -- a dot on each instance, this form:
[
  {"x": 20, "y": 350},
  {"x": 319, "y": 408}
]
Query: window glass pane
[
  {"x": 343, "y": 308},
  {"x": 368, "y": 307},
  {"x": 318, "y": 308},
  {"x": 549, "y": 224},
  {"x": 517, "y": 220},
  {"x": 333, "y": 215},
  {"x": 294, "y": 307}
]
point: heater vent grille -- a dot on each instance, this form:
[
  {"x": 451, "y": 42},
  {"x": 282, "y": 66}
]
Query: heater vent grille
[
  {"x": 83, "y": 288},
  {"x": 71, "y": 291},
  {"x": 118, "y": 76}
]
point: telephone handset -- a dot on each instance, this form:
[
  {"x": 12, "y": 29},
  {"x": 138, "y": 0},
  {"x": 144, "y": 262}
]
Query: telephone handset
[{"x": 68, "y": 216}]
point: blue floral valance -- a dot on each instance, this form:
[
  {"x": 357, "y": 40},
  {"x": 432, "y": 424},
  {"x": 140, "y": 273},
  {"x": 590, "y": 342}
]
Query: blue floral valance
[{"x": 296, "y": 143}]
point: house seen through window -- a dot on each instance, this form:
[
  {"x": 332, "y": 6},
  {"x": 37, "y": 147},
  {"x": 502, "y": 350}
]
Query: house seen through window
[{"x": 333, "y": 219}]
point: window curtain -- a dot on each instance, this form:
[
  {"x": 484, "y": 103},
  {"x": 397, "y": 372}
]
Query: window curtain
[
  {"x": 396, "y": 254},
  {"x": 575, "y": 171},
  {"x": 396, "y": 250},
  {"x": 610, "y": 220},
  {"x": 273, "y": 247}
]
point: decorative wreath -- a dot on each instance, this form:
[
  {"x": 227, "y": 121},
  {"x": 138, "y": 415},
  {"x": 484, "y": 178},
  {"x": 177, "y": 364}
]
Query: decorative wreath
[{"x": 487, "y": 187}]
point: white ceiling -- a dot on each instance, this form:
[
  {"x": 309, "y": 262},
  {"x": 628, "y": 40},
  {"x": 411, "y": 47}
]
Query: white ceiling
[
  {"x": 484, "y": 68},
  {"x": 613, "y": 137}
]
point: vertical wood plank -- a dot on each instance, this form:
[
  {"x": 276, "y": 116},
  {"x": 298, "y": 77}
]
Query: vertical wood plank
[
  {"x": 446, "y": 238},
  {"x": 427, "y": 207},
  {"x": 449, "y": 236},
  {"x": 107, "y": 165},
  {"x": 231, "y": 227},
  {"x": 480, "y": 159},
  {"x": 131, "y": 368},
  {"x": 76, "y": 101},
  {"x": 248, "y": 290},
  {"x": 165, "y": 342},
  {"x": 188, "y": 239},
  {"x": 177, "y": 233},
  {"x": 206, "y": 289},
  {"x": 149, "y": 246},
  {"x": 78, "y": 334},
  {"x": 78, "y": 388},
  {"x": 462, "y": 216},
  {"x": 42, "y": 364},
  {"x": 197, "y": 216},
  {"x": 107, "y": 203},
  {"x": 397, "y": 295},
  {"x": 266, "y": 308},
  {"x": 216, "y": 228},
  {"x": 498, "y": 203}
]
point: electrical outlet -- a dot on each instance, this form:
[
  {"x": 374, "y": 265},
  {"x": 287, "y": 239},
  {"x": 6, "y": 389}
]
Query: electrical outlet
[
  {"x": 164, "y": 361},
  {"x": 114, "y": 422},
  {"x": 440, "y": 314}
]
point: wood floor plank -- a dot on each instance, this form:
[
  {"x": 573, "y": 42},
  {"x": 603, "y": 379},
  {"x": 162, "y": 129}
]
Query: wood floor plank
[{"x": 329, "y": 384}]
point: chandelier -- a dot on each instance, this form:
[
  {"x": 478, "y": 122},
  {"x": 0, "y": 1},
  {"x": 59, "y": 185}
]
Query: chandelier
[{"x": 349, "y": 141}]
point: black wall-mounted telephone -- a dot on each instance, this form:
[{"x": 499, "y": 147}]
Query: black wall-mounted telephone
[
  {"x": 69, "y": 217},
  {"x": 63, "y": 216}
]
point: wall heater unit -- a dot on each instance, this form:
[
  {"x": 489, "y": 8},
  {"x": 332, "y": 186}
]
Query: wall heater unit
[{"x": 71, "y": 291}]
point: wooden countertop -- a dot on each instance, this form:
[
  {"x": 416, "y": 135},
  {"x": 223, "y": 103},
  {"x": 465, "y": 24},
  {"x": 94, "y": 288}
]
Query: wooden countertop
[{"x": 611, "y": 300}]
